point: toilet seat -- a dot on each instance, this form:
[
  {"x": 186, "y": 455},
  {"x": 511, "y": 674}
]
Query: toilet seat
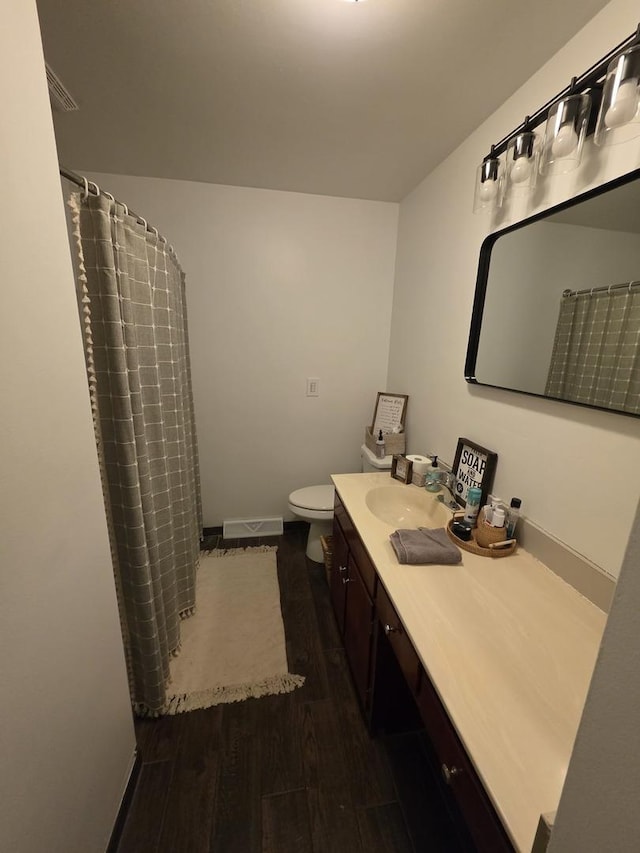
[{"x": 316, "y": 502}]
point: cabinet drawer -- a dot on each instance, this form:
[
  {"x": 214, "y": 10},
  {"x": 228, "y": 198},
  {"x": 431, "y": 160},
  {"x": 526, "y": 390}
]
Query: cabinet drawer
[
  {"x": 400, "y": 643},
  {"x": 459, "y": 774}
]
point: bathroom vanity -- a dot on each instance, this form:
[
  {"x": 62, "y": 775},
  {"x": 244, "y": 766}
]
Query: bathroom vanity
[{"x": 496, "y": 656}]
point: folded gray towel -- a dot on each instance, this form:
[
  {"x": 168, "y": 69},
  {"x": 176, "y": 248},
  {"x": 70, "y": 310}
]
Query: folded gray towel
[{"x": 424, "y": 546}]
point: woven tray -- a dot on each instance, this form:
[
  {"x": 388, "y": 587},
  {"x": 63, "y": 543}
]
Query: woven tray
[{"x": 474, "y": 548}]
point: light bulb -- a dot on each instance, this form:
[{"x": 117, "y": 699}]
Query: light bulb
[
  {"x": 521, "y": 170},
  {"x": 623, "y": 109},
  {"x": 488, "y": 190},
  {"x": 565, "y": 141}
]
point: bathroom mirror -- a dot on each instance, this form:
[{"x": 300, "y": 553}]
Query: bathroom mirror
[{"x": 557, "y": 304}]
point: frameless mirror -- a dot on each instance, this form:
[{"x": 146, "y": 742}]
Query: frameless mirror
[{"x": 557, "y": 304}]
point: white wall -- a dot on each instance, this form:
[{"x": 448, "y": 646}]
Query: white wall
[
  {"x": 280, "y": 287},
  {"x": 599, "y": 804},
  {"x": 570, "y": 466},
  {"x": 65, "y": 724}
]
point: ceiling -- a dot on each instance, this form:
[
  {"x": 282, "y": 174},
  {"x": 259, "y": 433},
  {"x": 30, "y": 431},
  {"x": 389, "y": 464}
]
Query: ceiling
[{"x": 356, "y": 99}]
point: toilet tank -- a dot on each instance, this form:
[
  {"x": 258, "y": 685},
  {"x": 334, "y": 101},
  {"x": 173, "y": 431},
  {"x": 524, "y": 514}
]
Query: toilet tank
[{"x": 370, "y": 462}]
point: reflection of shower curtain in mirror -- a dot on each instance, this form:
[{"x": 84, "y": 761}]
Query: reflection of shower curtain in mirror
[{"x": 596, "y": 352}]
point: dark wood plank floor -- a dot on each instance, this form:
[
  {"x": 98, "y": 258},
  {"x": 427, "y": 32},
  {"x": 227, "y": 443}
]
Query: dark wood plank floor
[{"x": 295, "y": 773}]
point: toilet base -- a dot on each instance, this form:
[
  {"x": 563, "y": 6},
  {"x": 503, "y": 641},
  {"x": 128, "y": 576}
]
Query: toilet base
[{"x": 314, "y": 546}]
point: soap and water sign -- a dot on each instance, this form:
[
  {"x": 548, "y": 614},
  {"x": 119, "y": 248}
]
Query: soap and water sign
[{"x": 470, "y": 473}]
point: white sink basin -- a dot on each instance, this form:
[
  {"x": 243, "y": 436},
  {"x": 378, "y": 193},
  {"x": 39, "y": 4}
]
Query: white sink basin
[{"x": 406, "y": 506}]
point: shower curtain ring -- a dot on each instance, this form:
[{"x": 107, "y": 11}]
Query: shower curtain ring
[
  {"x": 126, "y": 209},
  {"x": 91, "y": 184},
  {"x": 142, "y": 221},
  {"x": 155, "y": 231},
  {"x": 85, "y": 192},
  {"x": 108, "y": 195}
]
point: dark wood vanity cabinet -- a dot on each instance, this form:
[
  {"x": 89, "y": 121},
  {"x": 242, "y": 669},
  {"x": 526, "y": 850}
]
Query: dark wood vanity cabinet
[
  {"x": 353, "y": 581},
  {"x": 339, "y": 572},
  {"x": 388, "y": 673}
]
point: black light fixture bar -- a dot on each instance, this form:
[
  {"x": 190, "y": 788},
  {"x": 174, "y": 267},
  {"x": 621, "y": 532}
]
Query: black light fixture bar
[{"x": 590, "y": 79}]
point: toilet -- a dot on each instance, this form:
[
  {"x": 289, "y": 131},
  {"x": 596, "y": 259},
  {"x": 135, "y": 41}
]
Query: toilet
[{"x": 315, "y": 504}]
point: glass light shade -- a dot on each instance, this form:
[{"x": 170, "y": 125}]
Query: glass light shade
[
  {"x": 619, "y": 116},
  {"x": 521, "y": 164},
  {"x": 488, "y": 192},
  {"x": 564, "y": 134}
]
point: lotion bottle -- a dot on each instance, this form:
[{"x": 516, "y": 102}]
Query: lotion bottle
[
  {"x": 474, "y": 496},
  {"x": 380, "y": 449}
]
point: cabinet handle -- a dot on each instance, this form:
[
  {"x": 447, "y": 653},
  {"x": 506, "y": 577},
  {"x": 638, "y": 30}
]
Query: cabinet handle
[
  {"x": 389, "y": 629},
  {"x": 342, "y": 569},
  {"x": 347, "y": 580},
  {"x": 449, "y": 773}
]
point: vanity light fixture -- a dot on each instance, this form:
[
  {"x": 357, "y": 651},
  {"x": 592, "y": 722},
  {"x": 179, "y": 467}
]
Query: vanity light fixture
[
  {"x": 609, "y": 89},
  {"x": 521, "y": 167},
  {"x": 488, "y": 194},
  {"x": 565, "y": 132},
  {"x": 619, "y": 117}
]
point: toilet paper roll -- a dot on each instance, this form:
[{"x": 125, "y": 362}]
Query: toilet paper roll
[{"x": 420, "y": 463}]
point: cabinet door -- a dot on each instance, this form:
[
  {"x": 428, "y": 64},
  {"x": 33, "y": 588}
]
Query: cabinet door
[
  {"x": 358, "y": 631},
  {"x": 400, "y": 643},
  {"x": 459, "y": 774},
  {"x": 339, "y": 574}
]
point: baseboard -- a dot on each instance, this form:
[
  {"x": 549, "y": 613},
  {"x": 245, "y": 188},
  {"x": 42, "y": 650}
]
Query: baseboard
[{"x": 125, "y": 804}]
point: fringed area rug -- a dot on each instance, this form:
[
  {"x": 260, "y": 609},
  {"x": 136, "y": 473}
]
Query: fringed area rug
[{"x": 233, "y": 647}]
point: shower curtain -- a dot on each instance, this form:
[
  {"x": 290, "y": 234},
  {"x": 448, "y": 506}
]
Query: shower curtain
[
  {"x": 131, "y": 292},
  {"x": 596, "y": 351}
]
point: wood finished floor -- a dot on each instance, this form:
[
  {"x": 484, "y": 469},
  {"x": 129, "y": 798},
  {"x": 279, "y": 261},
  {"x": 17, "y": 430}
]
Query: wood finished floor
[{"x": 295, "y": 773}]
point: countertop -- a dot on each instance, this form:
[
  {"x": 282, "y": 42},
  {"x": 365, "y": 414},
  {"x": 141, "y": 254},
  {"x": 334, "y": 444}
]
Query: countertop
[{"x": 510, "y": 648}]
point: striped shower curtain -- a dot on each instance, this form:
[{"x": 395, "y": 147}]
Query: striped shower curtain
[
  {"x": 131, "y": 293},
  {"x": 596, "y": 352}
]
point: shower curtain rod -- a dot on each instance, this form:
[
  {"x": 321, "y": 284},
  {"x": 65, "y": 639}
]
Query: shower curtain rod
[
  {"x": 604, "y": 288},
  {"x": 86, "y": 185}
]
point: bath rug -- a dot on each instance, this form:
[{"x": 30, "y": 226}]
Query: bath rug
[{"x": 233, "y": 647}]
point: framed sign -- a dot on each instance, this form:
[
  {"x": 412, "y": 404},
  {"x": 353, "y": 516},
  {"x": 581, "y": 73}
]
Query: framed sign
[
  {"x": 401, "y": 468},
  {"x": 473, "y": 466},
  {"x": 389, "y": 413}
]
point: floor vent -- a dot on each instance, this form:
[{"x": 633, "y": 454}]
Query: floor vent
[{"x": 242, "y": 528}]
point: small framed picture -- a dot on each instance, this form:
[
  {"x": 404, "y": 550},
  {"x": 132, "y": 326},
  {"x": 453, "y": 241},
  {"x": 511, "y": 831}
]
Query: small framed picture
[
  {"x": 473, "y": 466},
  {"x": 401, "y": 468}
]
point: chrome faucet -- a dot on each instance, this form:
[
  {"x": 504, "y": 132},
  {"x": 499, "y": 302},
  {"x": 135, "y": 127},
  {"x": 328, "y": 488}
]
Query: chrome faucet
[{"x": 448, "y": 481}]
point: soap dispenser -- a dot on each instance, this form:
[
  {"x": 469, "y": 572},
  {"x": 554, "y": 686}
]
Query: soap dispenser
[
  {"x": 433, "y": 476},
  {"x": 380, "y": 448}
]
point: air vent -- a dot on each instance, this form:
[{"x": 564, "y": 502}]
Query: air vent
[
  {"x": 60, "y": 99},
  {"x": 241, "y": 528}
]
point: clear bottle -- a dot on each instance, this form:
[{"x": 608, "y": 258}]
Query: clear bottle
[
  {"x": 513, "y": 515},
  {"x": 380, "y": 448},
  {"x": 433, "y": 476}
]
